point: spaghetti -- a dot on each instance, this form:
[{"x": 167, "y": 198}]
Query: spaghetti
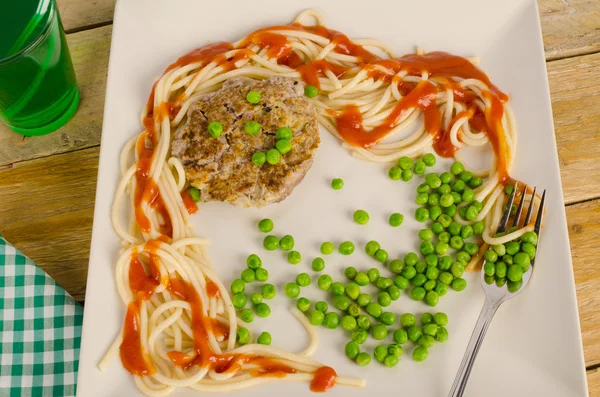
[{"x": 180, "y": 327}]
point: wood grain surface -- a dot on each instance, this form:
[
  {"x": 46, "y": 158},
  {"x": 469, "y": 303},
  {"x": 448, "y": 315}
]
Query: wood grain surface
[{"x": 47, "y": 184}]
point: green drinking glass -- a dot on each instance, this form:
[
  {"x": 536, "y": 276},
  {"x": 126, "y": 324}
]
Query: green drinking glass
[{"x": 38, "y": 91}]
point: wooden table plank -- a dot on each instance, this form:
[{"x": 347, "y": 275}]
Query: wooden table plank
[
  {"x": 90, "y": 51},
  {"x": 584, "y": 233},
  {"x": 81, "y": 14},
  {"x": 593, "y": 377},
  {"x": 575, "y": 92},
  {"x": 570, "y": 27},
  {"x": 47, "y": 210}
]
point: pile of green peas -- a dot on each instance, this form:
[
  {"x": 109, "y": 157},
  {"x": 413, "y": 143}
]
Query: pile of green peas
[
  {"x": 285, "y": 243},
  {"x": 406, "y": 169},
  {"x": 505, "y": 264},
  {"x": 253, "y": 272}
]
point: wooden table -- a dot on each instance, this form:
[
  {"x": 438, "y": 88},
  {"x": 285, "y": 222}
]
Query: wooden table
[{"x": 47, "y": 184}]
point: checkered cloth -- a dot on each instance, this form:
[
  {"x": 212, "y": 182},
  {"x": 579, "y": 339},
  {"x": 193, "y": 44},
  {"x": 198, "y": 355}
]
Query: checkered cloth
[{"x": 40, "y": 330}]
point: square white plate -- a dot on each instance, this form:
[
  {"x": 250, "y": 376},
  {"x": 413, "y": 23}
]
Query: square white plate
[{"x": 533, "y": 347}]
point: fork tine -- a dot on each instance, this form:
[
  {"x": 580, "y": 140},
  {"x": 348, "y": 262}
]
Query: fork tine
[
  {"x": 540, "y": 214},
  {"x": 520, "y": 207},
  {"x": 504, "y": 220},
  {"x": 530, "y": 209}
]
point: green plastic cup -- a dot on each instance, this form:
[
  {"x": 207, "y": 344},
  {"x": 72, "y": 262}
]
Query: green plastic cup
[{"x": 38, "y": 91}]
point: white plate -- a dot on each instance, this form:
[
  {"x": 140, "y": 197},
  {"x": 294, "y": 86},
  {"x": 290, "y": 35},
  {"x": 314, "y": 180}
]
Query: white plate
[{"x": 533, "y": 347}]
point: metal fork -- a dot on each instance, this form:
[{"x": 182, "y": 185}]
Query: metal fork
[{"x": 494, "y": 295}]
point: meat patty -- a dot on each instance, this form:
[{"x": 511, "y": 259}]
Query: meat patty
[{"x": 222, "y": 168}]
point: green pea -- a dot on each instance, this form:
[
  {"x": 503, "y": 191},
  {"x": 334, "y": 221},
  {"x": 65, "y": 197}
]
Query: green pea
[
  {"x": 394, "y": 292},
  {"x": 475, "y": 182},
  {"x": 253, "y": 97},
  {"x": 432, "y": 260},
  {"x": 414, "y": 333},
  {"x": 522, "y": 259},
  {"x": 433, "y": 180},
  {"x": 418, "y": 293},
  {"x": 379, "y": 331},
  {"x": 500, "y": 269},
  {"x": 446, "y": 200},
  {"x": 451, "y": 210},
  {"x": 349, "y": 323},
  {"x": 400, "y": 336},
  {"x": 363, "y": 359},
  {"x": 273, "y": 156},
  {"x": 405, "y": 163},
  {"x": 514, "y": 286},
  {"x": 388, "y": 318},
  {"x": 425, "y": 234},
  {"x": 471, "y": 248},
  {"x": 530, "y": 237},
  {"x": 243, "y": 335},
  {"x": 292, "y": 290},
  {"x": 354, "y": 310},
  {"x": 400, "y": 282},
  {"x": 432, "y": 298},
  {"x": 286, "y": 243},
  {"x": 444, "y": 188},
  {"x": 327, "y": 248},
  {"x": 294, "y": 257},
  {"x": 380, "y": 353},
  {"x": 364, "y": 322},
  {"x": 361, "y": 279},
  {"x": 420, "y": 167},
  {"x": 433, "y": 199},
  {"x": 384, "y": 299},
  {"x": 317, "y": 317},
  {"x": 423, "y": 188},
  {"x": 422, "y": 198},
  {"x": 238, "y": 286},
  {"x": 395, "y": 173},
  {"x": 466, "y": 232},
  {"x": 466, "y": 176},
  {"x": 444, "y": 220},
  {"x": 311, "y": 91},
  {"x": 426, "y": 341},
  {"x": 248, "y": 275},
  {"x": 259, "y": 158},
  {"x": 441, "y": 248},
  {"x": 456, "y": 168},
  {"x": 318, "y": 264},
  {"x": 374, "y": 309},
  {"x": 528, "y": 249},
  {"x": 442, "y": 334},
  {"x": 256, "y": 298},
  {"x": 332, "y": 320},
  {"x": 324, "y": 282},
  {"x": 437, "y": 227},
  {"x": 303, "y": 304},
  {"x": 361, "y": 217},
  {"x": 239, "y": 301},
  {"x": 429, "y": 159},
  {"x": 381, "y": 255},
  {"x": 373, "y": 274},
  {"x": 261, "y": 275},
  {"x": 489, "y": 268},
  {"x": 351, "y": 349},
  {"x": 426, "y": 247},
  {"x": 363, "y": 299},
  {"x": 359, "y": 335},
  {"x": 446, "y": 177},
  {"x": 303, "y": 280},
  {"x": 445, "y": 262},
  {"x": 262, "y": 310},
  {"x": 478, "y": 228},
  {"x": 346, "y": 248},
  {"x": 353, "y": 290},
  {"x": 283, "y": 146},
  {"x": 337, "y": 183},
  {"x": 499, "y": 249},
  {"x": 454, "y": 229},
  {"x": 490, "y": 255},
  {"x": 489, "y": 280},
  {"x": 429, "y": 286},
  {"x": 252, "y": 128},
  {"x": 446, "y": 278},
  {"x": 396, "y": 266},
  {"x": 432, "y": 272},
  {"x": 456, "y": 242},
  {"x": 215, "y": 129},
  {"x": 338, "y": 288},
  {"x": 350, "y": 272},
  {"x": 512, "y": 247},
  {"x": 435, "y": 211},
  {"x": 468, "y": 195},
  {"x": 458, "y": 284},
  {"x": 514, "y": 273},
  {"x": 390, "y": 361},
  {"x": 247, "y": 315},
  {"x": 407, "y": 175},
  {"x": 396, "y": 219},
  {"x": 458, "y": 187},
  {"x": 265, "y": 225},
  {"x": 271, "y": 243},
  {"x": 463, "y": 257},
  {"x": 409, "y": 272},
  {"x": 421, "y": 266},
  {"x": 441, "y": 289},
  {"x": 268, "y": 291},
  {"x": 457, "y": 269},
  {"x": 457, "y": 199},
  {"x": 441, "y": 319},
  {"x": 395, "y": 350},
  {"x": 418, "y": 280},
  {"x": 321, "y": 306}
]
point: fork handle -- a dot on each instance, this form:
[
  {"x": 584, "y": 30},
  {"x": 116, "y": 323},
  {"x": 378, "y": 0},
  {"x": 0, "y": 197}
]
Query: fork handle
[{"x": 483, "y": 322}]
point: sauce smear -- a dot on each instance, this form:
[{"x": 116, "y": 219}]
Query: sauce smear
[{"x": 323, "y": 380}]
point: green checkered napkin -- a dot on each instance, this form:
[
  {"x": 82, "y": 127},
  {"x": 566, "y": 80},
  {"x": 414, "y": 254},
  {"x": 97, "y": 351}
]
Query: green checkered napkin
[{"x": 40, "y": 330}]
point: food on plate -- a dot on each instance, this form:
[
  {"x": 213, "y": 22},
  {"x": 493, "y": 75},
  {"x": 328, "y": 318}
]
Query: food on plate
[{"x": 252, "y": 118}]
